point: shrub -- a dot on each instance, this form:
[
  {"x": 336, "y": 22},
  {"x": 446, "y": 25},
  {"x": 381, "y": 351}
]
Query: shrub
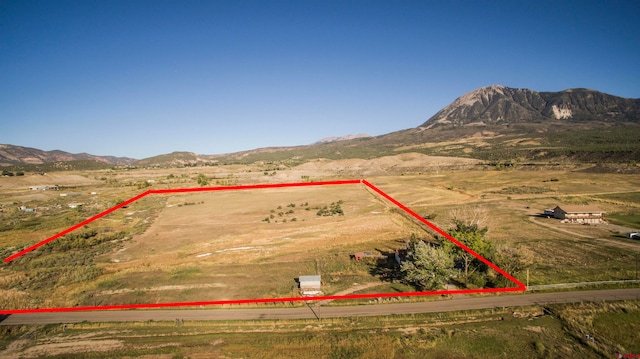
[{"x": 203, "y": 180}]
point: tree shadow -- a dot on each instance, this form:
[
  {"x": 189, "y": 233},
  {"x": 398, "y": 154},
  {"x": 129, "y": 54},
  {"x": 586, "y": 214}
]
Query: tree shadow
[{"x": 385, "y": 267}]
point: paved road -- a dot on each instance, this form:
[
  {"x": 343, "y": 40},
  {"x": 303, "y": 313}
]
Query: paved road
[{"x": 456, "y": 304}]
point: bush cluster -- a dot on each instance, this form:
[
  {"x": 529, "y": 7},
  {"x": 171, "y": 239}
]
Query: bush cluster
[{"x": 332, "y": 210}]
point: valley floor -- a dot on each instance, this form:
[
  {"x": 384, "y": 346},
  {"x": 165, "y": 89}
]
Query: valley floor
[{"x": 194, "y": 247}]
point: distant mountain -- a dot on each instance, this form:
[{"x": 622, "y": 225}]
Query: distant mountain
[
  {"x": 500, "y": 125},
  {"x": 170, "y": 159},
  {"x": 496, "y": 124},
  {"x": 340, "y": 138},
  {"x": 11, "y": 155},
  {"x": 497, "y": 104}
]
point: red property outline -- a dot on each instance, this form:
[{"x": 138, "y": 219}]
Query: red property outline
[{"x": 520, "y": 285}]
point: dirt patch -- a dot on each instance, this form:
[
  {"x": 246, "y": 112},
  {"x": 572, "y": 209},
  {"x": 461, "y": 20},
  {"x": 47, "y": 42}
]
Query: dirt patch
[
  {"x": 163, "y": 288},
  {"x": 75, "y": 347},
  {"x": 384, "y": 165},
  {"x": 409, "y": 330},
  {"x": 535, "y": 329}
]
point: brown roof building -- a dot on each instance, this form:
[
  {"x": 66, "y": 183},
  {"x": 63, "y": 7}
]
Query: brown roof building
[{"x": 579, "y": 214}]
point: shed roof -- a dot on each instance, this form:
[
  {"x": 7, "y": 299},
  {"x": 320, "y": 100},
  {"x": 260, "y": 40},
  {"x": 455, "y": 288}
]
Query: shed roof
[
  {"x": 580, "y": 209},
  {"x": 309, "y": 278}
]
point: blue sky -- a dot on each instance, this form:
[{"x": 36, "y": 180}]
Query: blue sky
[{"x": 142, "y": 78}]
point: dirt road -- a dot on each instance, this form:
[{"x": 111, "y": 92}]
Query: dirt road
[
  {"x": 456, "y": 304},
  {"x": 623, "y": 245}
]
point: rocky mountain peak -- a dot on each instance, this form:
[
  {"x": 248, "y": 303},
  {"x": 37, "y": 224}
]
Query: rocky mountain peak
[{"x": 498, "y": 104}]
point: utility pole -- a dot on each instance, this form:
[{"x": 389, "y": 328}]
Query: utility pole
[{"x": 528, "y": 274}]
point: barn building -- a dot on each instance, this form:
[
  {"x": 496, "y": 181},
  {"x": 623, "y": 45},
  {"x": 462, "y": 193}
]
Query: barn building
[{"x": 579, "y": 214}]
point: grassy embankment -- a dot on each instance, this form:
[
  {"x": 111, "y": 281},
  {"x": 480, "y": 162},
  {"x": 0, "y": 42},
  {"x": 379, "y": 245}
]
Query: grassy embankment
[{"x": 534, "y": 332}]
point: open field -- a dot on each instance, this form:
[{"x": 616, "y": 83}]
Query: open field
[
  {"x": 210, "y": 245},
  {"x": 252, "y": 244},
  {"x": 231, "y": 245}
]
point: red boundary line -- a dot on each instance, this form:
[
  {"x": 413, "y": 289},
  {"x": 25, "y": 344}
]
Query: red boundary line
[
  {"x": 164, "y": 191},
  {"x": 520, "y": 285},
  {"x": 446, "y": 235},
  {"x": 73, "y": 228}
]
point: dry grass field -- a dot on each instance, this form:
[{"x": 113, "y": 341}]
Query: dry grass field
[
  {"x": 225, "y": 245},
  {"x": 219, "y": 246},
  {"x": 255, "y": 243},
  {"x": 237, "y": 245}
]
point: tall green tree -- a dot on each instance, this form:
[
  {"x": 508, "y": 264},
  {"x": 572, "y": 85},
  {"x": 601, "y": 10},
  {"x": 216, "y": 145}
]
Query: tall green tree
[
  {"x": 472, "y": 236},
  {"x": 426, "y": 267}
]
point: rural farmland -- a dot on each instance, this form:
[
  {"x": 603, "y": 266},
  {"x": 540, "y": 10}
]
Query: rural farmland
[{"x": 230, "y": 245}]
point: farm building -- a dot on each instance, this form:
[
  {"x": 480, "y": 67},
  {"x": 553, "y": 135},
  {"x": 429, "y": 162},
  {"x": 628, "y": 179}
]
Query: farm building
[
  {"x": 579, "y": 214},
  {"x": 310, "y": 285}
]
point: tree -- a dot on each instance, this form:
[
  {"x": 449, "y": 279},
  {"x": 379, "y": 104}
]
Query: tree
[
  {"x": 202, "y": 180},
  {"x": 512, "y": 260},
  {"x": 472, "y": 237},
  {"x": 426, "y": 267}
]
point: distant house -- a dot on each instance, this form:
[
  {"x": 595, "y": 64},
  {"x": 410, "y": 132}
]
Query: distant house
[
  {"x": 310, "y": 285},
  {"x": 43, "y": 188},
  {"x": 579, "y": 214}
]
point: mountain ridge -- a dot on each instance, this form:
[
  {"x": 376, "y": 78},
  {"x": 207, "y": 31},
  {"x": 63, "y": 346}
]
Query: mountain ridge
[
  {"x": 493, "y": 123},
  {"x": 340, "y": 138},
  {"x": 497, "y": 124},
  {"x": 19, "y": 155}
]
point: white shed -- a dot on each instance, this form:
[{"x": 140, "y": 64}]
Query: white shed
[{"x": 310, "y": 284}]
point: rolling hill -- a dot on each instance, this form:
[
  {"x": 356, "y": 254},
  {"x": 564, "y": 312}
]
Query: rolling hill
[{"x": 33, "y": 158}]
